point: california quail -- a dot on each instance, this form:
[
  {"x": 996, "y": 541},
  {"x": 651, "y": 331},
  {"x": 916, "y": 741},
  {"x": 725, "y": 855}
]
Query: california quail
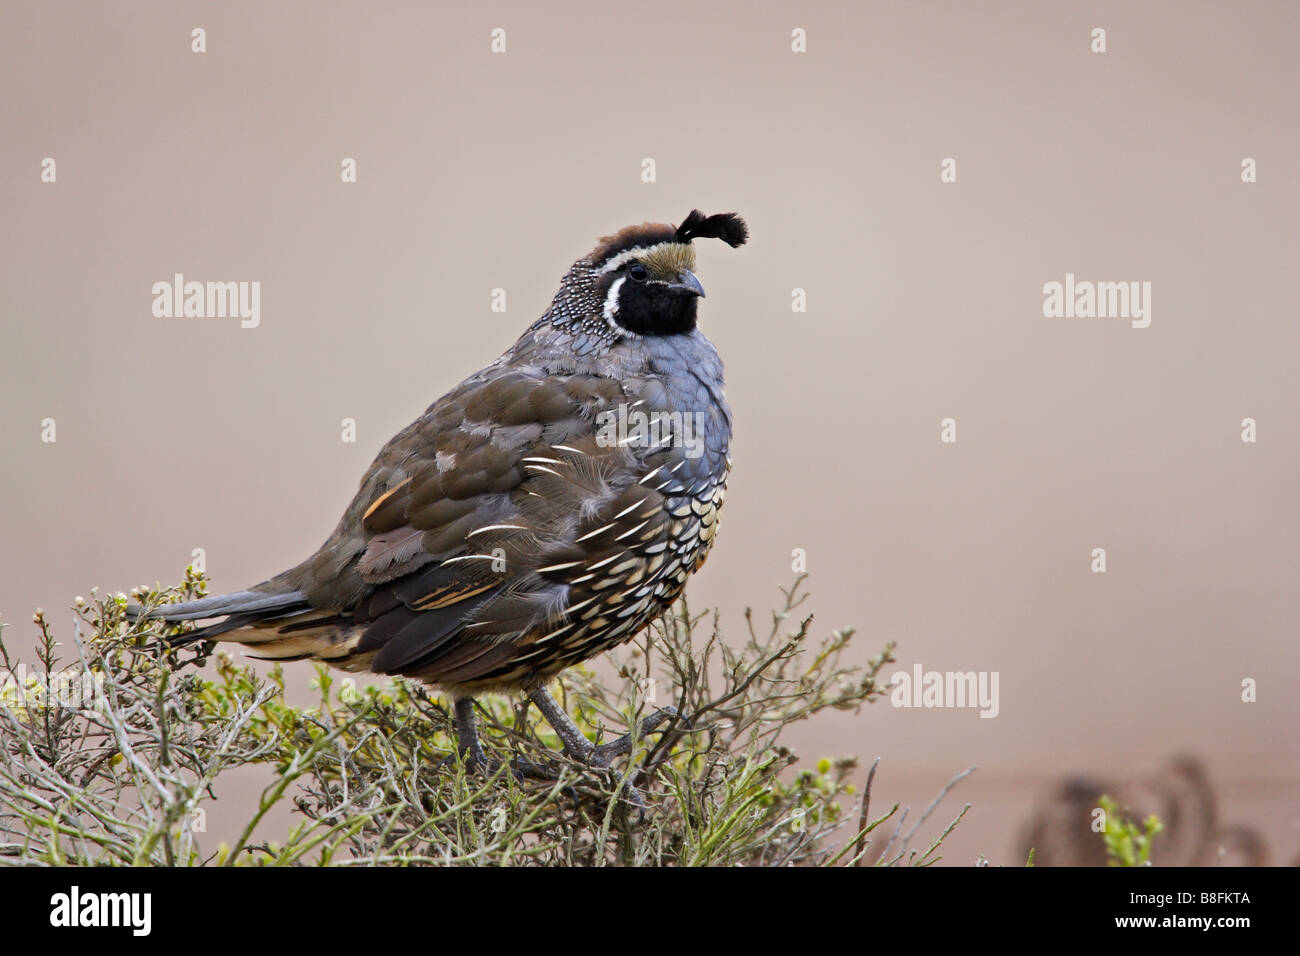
[{"x": 541, "y": 512}]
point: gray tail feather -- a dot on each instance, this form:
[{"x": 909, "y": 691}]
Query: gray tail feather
[{"x": 239, "y": 609}]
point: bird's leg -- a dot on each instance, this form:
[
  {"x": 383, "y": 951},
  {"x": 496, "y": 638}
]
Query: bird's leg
[
  {"x": 467, "y": 742},
  {"x": 577, "y": 746},
  {"x": 471, "y": 749},
  {"x": 603, "y": 755}
]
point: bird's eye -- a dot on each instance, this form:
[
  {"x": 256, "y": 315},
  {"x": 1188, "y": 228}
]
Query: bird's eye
[{"x": 638, "y": 271}]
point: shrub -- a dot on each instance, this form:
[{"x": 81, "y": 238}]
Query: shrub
[{"x": 111, "y": 761}]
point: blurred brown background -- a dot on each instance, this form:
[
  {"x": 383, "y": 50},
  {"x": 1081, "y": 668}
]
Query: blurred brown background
[{"x": 479, "y": 170}]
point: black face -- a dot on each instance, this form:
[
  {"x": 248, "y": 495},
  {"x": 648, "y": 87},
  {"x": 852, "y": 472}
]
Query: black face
[{"x": 651, "y": 306}]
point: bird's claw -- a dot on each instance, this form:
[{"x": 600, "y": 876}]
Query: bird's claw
[
  {"x": 604, "y": 754},
  {"x": 476, "y": 761}
]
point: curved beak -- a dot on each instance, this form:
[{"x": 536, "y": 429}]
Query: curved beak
[{"x": 686, "y": 281}]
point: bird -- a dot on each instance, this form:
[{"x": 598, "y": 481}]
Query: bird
[{"x": 545, "y": 510}]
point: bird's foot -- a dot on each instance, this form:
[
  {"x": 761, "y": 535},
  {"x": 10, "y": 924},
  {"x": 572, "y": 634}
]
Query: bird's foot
[
  {"x": 600, "y": 756},
  {"x": 575, "y": 744},
  {"x": 603, "y": 755},
  {"x": 471, "y": 753},
  {"x": 476, "y": 761}
]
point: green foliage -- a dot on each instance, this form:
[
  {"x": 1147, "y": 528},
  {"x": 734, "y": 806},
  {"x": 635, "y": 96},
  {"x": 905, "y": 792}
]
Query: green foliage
[
  {"x": 1127, "y": 844},
  {"x": 371, "y": 774}
]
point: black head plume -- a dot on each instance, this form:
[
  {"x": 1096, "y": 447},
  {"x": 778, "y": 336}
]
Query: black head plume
[{"x": 726, "y": 226}]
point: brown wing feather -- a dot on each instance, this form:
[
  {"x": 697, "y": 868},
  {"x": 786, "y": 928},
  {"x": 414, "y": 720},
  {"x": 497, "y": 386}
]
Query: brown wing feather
[{"x": 447, "y": 526}]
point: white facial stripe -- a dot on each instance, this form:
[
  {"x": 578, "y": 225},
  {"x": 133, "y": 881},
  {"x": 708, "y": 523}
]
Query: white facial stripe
[
  {"x": 611, "y": 299},
  {"x": 627, "y": 254}
]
